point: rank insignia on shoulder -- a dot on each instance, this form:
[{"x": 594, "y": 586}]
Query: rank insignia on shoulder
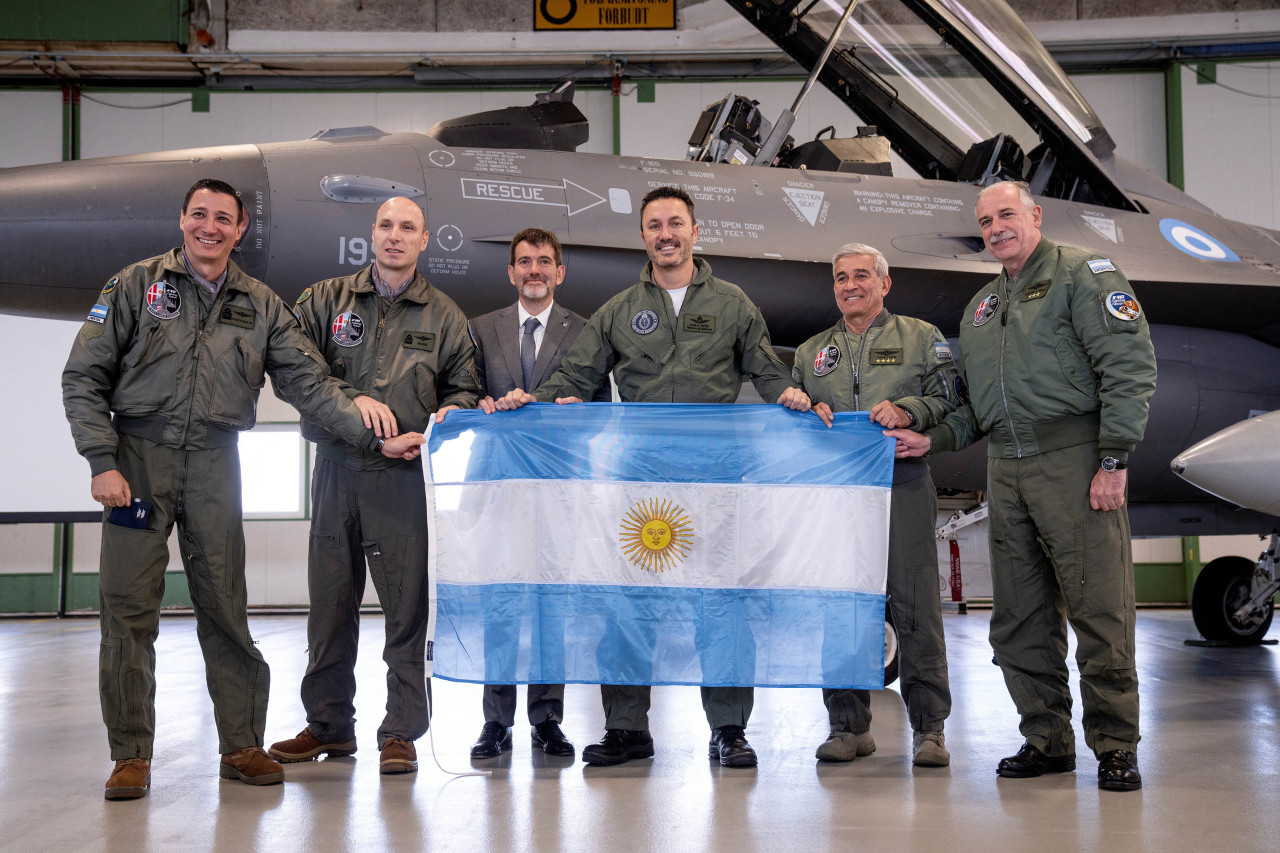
[
  {"x": 1102, "y": 265},
  {"x": 425, "y": 341},
  {"x": 644, "y": 322},
  {"x": 98, "y": 314},
  {"x": 111, "y": 285},
  {"x": 986, "y": 310},
  {"x": 828, "y": 358},
  {"x": 942, "y": 351},
  {"x": 1122, "y": 306}
]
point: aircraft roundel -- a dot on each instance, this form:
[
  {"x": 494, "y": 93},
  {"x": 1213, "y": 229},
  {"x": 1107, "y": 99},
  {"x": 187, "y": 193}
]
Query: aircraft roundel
[{"x": 1194, "y": 242}]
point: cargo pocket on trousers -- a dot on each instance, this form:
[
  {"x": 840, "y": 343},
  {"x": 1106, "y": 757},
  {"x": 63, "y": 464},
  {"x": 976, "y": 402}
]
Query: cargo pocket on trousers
[{"x": 1099, "y": 581}]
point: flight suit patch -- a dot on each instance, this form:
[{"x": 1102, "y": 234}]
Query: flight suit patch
[
  {"x": 111, "y": 285},
  {"x": 348, "y": 329},
  {"x": 942, "y": 351},
  {"x": 828, "y": 358},
  {"x": 885, "y": 356},
  {"x": 1036, "y": 291},
  {"x": 163, "y": 300},
  {"x": 986, "y": 310},
  {"x": 1123, "y": 307},
  {"x": 644, "y": 322},
  {"x": 425, "y": 341},
  {"x": 1101, "y": 266},
  {"x": 98, "y": 314},
  {"x": 306, "y": 294},
  {"x": 705, "y": 323},
  {"x": 237, "y": 315}
]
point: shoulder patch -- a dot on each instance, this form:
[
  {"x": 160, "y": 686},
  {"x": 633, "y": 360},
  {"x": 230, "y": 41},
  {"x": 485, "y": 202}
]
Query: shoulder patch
[
  {"x": 111, "y": 285},
  {"x": 303, "y": 297},
  {"x": 1122, "y": 306},
  {"x": 942, "y": 351},
  {"x": 98, "y": 314},
  {"x": 1102, "y": 265}
]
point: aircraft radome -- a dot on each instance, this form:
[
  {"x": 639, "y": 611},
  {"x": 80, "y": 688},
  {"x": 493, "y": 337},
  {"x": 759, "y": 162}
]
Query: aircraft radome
[{"x": 959, "y": 108}]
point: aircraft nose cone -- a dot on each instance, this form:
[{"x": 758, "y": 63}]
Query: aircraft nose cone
[
  {"x": 82, "y": 221},
  {"x": 1240, "y": 464}
]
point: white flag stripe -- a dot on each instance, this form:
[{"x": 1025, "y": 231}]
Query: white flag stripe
[{"x": 572, "y": 531}]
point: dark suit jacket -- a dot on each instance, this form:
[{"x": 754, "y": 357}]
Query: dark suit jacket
[{"x": 497, "y": 336}]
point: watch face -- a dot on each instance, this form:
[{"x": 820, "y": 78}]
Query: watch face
[{"x": 1109, "y": 463}]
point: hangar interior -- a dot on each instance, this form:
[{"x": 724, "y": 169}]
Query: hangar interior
[{"x": 1191, "y": 92}]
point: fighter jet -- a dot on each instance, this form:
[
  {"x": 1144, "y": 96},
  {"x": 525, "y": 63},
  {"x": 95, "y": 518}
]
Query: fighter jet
[
  {"x": 959, "y": 90},
  {"x": 1232, "y": 599}
]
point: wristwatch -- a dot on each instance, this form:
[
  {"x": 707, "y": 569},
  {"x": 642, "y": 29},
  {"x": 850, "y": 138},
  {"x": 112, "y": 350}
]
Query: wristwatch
[
  {"x": 377, "y": 446},
  {"x": 1110, "y": 463},
  {"x": 912, "y": 420}
]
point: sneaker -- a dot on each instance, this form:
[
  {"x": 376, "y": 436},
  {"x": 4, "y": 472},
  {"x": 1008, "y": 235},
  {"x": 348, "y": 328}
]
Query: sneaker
[
  {"x": 130, "y": 779},
  {"x": 929, "y": 749},
  {"x": 398, "y": 756},
  {"x": 307, "y": 746},
  {"x": 619, "y": 745},
  {"x": 251, "y": 766},
  {"x": 845, "y": 746}
]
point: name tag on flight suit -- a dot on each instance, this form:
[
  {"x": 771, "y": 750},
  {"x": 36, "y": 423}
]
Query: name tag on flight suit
[
  {"x": 705, "y": 323},
  {"x": 425, "y": 341},
  {"x": 235, "y": 315}
]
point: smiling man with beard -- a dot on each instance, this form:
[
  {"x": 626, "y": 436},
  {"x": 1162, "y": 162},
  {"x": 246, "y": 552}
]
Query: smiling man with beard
[
  {"x": 680, "y": 335},
  {"x": 520, "y": 346}
]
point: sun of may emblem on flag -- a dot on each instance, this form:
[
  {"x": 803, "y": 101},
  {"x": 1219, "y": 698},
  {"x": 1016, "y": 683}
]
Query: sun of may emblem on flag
[{"x": 656, "y": 536}]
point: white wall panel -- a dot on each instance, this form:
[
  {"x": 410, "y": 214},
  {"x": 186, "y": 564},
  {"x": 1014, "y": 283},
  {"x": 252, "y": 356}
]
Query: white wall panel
[
  {"x": 30, "y": 128},
  {"x": 1229, "y": 141},
  {"x": 1131, "y": 107}
]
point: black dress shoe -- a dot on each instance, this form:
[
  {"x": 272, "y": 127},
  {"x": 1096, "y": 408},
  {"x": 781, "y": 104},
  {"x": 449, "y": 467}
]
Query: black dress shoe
[
  {"x": 729, "y": 744},
  {"x": 548, "y": 737},
  {"x": 1118, "y": 771},
  {"x": 494, "y": 740},
  {"x": 619, "y": 745},
  {"x": 1032, "y": 762}
]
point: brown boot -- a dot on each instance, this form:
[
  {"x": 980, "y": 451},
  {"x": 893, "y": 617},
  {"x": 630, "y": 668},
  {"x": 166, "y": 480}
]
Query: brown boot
[
  {"x": 130, "y": 780},
  {"x": 252, "y": 766},
  {"x": 398, "y": 756},
  {"x": 307, "y": 746}
]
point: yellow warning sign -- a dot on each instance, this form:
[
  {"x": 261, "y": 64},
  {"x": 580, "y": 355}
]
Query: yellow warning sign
[{"x": 604, "y": 14}]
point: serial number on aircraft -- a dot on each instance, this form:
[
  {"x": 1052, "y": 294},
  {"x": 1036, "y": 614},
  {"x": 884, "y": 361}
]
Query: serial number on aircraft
[{"x": 353, "y": 250}]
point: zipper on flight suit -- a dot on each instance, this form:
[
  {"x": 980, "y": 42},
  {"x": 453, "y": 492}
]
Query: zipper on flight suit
[
  {"x": 855, "y": 363},
  {"x": 1004, "y": 396}
]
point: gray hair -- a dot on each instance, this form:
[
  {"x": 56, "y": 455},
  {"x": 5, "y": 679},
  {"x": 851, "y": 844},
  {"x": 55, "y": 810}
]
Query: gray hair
[
  {"x": 848, "y": 250},
  {"x": 1024, "y": 194}
]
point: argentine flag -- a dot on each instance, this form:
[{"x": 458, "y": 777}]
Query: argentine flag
[{"x": 625, "y": 543}]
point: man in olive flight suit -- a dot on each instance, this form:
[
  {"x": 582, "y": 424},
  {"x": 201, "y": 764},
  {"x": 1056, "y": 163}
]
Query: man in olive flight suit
[
  {"x": 678, "y": 336},
  {"x": 900, "y": 369},
  {"x": 388, "y": 333},
  {"x": 161, "y": 380},
  {"x": 1057, "y": 357}
]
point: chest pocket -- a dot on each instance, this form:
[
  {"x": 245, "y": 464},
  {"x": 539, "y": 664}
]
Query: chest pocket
[
  {"x": 413, "y": 397},
  {"x": 238, "y": 376},
  {"x": 148, "y": 374}
]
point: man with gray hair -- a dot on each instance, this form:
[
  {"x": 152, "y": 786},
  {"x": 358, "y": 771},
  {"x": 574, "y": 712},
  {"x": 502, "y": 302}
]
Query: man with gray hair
[
  {"x": 901, "y": 370},
  {"x": 1061, "y": 386}
]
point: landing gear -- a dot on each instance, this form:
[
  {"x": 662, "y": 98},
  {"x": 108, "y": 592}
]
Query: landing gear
[{"x": 1232, "y": 599}]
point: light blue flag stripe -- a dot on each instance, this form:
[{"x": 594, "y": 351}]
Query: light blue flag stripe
[
  {"x": 595, "y": 634},
  {"x": 662, "y": 443}
]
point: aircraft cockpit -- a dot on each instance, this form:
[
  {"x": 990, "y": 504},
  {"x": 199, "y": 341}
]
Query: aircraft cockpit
[{"x": 961, "y": 90}]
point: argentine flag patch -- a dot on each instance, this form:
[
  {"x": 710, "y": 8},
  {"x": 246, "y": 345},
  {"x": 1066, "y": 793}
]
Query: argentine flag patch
[
  {"x": 98, "y": 314},
  {"x": 1101, "y": 266}
]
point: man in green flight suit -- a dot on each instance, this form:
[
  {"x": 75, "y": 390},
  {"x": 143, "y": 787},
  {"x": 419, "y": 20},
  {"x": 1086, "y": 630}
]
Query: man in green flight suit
[
  {"x": 160, "y": 382},
  {"x": 900, "y": 369},
  {"x": 680, "y": 335},
  {"x": 1058, "y": 360}
]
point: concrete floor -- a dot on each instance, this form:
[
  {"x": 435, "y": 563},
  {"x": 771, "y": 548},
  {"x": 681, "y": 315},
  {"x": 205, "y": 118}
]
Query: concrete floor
[{"x": 1209, "y": 759}]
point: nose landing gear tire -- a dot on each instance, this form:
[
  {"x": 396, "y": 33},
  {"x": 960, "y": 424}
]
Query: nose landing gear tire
[{"x": 1223, "y": 585}]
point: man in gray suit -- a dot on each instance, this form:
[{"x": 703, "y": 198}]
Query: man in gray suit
[{"x": 520, "y": 346}]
